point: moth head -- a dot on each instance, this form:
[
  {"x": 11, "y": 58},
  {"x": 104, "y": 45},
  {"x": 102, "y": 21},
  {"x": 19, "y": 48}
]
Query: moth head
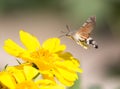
[{"x": 68, "y": 33}]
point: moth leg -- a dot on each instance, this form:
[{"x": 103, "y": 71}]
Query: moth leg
[{"x": 83, "y": 44}]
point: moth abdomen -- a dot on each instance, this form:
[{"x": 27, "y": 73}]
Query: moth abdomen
[{"x": 92, "y": 42}]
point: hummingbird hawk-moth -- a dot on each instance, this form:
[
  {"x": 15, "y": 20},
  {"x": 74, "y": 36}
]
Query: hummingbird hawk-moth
[{"x": 82, "y": 35}]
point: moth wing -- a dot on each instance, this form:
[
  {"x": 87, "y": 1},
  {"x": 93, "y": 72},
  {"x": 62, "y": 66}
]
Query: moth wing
[{"x": 87, "y": 27}]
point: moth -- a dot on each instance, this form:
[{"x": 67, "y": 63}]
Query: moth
[{"x": 82, "y": 35}]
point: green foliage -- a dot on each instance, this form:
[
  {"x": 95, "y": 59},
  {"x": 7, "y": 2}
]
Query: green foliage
[{"x": 95, "y": 87}]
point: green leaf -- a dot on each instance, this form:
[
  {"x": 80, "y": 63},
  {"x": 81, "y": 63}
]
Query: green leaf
[
  {"x": 18, "y": 61},
  {"x": 5, "y": 66}
]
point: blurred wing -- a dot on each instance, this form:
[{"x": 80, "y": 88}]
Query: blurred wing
[{"x": 87, "y": 27}]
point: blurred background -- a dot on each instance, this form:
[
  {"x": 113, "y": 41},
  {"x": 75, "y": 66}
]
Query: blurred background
[{"x": 47, "y": 18}]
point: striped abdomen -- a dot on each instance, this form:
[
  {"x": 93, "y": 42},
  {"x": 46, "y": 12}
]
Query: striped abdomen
[{"x": 92, "y": 42}]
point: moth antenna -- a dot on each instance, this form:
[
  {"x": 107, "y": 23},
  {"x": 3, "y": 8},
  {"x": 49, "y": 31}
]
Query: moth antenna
[
  {"x": 63, "y": 32},
  {"x": 68, "y": 28},
  {"x": 93, "y": 18},
  {"x": 61, "y": 36}
]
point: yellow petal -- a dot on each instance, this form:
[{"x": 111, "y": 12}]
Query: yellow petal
[
  {"x": 60, "y": 77},
  {"x": 53, "y": 45},
  {"x": 48, "y": 84},
  {"x": 68, "y": 75},
  {"x": 29, "y": 41},
  {"x": 7, "y": 80},
  {"x": 27, "y": 85},
  {"x": 2, "y": 86},
  {"x": 53, "y": 87},
  {"x": 69, "y": 66},
  {"x": 45, "y": 82},
  {"x": 12, "y": 48},
  {"x": 30, "y": 72},
  {"x": 18, "y": 74},
  {"x": 70, "y": 63}
]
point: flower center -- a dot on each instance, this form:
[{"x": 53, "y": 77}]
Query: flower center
[
  {"x": 44, "y": 59},
  {"x": 40, "y": 53}
]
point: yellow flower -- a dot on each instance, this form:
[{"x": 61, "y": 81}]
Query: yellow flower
[
  {"x": 50, "y": 58},
  {"x": 7, "y": 80},
  {"x": 27, "y": 85},
  {"x": 2, "y": 86},
  {"x": 41, "y": 84},
  {"x": 23, "y": 73},
  {"x": 48, "y": 84},
  {"x": 22, "y": 78}
]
